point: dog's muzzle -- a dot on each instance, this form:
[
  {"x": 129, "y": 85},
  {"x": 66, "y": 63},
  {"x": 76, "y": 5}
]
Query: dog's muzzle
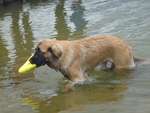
[{"x": 38, "y": 59}]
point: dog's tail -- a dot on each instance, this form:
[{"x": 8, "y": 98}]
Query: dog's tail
[{"x": 141, "y": 61}]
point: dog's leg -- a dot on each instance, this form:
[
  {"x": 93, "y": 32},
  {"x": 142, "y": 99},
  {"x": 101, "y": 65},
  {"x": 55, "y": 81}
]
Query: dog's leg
[
  {"x": 124, "y": 60},
  {"x": 76, "y": 77},
  {"x": 76, "y": 73},
  {"x": 105, "y": 65},
  {"x": 109, "y": 65}
]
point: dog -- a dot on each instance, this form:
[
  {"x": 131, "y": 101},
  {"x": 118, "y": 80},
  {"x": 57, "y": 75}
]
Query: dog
[{"x": 74, "y": 59}]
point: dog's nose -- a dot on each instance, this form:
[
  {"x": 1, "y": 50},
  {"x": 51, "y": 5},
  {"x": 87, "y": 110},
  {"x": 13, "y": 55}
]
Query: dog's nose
[{"x": 38, "y": 59}]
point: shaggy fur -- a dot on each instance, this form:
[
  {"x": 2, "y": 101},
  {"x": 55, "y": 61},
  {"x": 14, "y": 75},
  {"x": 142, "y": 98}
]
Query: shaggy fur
[{"x": 75, "y": 58}]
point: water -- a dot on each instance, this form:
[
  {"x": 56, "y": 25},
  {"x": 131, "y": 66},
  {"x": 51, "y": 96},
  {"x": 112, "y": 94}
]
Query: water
[{"x": 22, "y": 25}]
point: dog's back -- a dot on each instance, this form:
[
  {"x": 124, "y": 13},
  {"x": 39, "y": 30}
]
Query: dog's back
[{"x": 96, "y": 49}]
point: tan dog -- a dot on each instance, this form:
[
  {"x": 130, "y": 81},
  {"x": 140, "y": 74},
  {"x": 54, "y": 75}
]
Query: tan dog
[{"x": 75, "y": 58}]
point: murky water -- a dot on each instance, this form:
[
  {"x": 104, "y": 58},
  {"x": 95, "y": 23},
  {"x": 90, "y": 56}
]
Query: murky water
[{"x": 22, "y": 25}]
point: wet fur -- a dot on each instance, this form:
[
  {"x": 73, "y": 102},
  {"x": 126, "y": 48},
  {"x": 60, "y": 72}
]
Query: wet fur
[{"x": 74, "y": 59}]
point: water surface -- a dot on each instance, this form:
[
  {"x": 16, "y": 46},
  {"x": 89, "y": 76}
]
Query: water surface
[{"x": 22, "y": 25}]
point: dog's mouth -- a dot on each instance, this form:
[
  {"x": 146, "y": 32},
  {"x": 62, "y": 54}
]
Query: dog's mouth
[
  {"x": 38, "y": 59},
  {"x": 34, "y": 61}
]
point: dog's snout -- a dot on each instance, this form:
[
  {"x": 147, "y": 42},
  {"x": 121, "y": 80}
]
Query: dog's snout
[{"x": 38, "y": 58}]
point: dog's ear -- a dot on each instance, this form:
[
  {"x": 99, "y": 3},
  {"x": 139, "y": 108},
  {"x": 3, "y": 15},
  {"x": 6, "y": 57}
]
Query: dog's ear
[{"x": 55, "y": 50}]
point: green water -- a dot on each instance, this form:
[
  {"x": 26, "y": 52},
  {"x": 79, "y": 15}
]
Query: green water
[{"x": 22, "y": 25}]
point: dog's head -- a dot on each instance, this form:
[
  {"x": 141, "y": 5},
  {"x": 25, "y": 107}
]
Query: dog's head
[{"x": 47, "y": 52}]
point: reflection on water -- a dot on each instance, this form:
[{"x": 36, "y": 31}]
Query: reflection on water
[
  {"x": 63, "y": 31},
  {"x": 105, "y": 89},
  {"x": 22, "y": 25},
  {"x": 77, "y": 17},
  {"x": 4, "y": 57}
]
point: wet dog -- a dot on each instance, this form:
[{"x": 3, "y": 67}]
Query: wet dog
[{"x": 74, "y": 59}]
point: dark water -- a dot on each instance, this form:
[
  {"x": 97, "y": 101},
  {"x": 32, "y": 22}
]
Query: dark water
[{"x": 22, "y": 25}]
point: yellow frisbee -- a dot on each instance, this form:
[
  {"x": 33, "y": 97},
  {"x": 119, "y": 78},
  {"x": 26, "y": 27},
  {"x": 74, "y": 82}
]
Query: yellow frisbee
[{"x": 27, "y": 67}]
